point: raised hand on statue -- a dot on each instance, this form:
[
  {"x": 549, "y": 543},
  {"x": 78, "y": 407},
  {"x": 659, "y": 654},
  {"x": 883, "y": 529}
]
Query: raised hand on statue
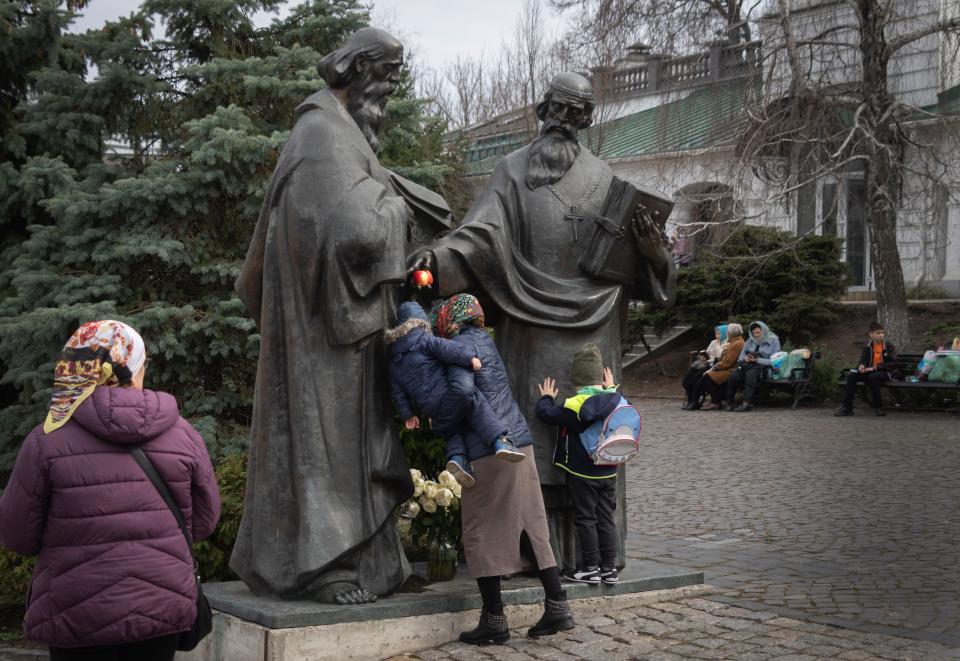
[
  {"x": 548, "y": 388},
  {"x": 608, "y": 378}
]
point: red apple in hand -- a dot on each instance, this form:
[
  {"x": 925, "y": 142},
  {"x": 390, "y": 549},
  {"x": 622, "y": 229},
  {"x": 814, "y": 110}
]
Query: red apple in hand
[{"x": 422, "y": 278}]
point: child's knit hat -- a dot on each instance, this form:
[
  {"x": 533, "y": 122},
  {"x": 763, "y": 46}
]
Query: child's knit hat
[
  {"x": 587, "y": 366},
  {"x": 410, "y": 310}
]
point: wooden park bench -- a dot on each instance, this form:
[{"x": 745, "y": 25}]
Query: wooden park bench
[
  {"x": 907, "y": 367},
  {"x": 799, "y": 381}
]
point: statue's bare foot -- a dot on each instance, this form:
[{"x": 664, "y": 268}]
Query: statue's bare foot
[{"x": 345, "y": 594}]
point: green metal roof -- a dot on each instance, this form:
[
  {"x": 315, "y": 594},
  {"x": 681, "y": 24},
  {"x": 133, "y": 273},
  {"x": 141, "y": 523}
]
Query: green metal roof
[
  {"x": 948, "y": 104},
  {"x": 710, "y": 116}
]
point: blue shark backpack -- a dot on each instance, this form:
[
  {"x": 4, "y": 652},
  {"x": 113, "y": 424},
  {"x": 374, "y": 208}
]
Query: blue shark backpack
[{"x": 616, "y": 439}]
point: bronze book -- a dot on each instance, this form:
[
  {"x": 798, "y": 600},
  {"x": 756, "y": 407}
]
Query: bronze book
[{"x": 611, "y": 253}]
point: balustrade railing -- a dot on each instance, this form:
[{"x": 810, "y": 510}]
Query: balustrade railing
[{"x": 657, "y": 73}]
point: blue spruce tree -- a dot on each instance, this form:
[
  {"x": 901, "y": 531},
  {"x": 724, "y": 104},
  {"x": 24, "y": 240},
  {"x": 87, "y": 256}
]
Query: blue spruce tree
[{"x": 153, "y": 232}]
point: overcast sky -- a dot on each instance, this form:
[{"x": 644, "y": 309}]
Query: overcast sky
[{"x": 437, "y": 30}]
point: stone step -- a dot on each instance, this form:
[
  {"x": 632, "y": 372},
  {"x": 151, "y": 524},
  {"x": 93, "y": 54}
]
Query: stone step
[
  {"x": 659, "y": 344},
  {"x": 252, "y": 628}
]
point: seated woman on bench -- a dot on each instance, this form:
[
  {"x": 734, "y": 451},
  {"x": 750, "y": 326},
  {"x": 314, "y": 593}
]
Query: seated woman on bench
[
  {"x": 752, "y": 365},
  {"x": 705, "y": 360},
  {"x": 714, "y": 381}
]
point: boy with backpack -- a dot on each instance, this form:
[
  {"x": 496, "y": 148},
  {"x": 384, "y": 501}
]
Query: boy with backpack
[{"x": 591, "y": 475}]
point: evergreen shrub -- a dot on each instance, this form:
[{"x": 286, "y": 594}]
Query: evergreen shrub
[
  {"x": 757, "y": 273},
  {"x": 155, "y": 237}
]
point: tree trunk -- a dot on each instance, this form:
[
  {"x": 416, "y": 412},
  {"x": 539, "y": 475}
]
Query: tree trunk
[{"x": 882, "y": 172}]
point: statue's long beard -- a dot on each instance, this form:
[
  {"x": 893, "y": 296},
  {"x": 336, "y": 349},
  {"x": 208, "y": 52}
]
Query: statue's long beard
[
  {"x": 368, "y": 101},
  {"x": 551, "y": 155}
]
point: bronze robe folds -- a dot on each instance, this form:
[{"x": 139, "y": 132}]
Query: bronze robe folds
[
  {"x": 326, "y": 467},
  {"x": 520, "y": 248}
]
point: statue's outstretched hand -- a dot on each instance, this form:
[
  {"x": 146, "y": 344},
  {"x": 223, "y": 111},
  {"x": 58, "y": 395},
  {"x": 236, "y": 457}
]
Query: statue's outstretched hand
[
  {"x": 648, "y": 236},
  {"x": 422, "y": 261}
]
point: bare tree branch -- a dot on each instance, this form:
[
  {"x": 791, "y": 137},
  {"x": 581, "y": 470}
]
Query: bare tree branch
[{"x": 949, "y": 25}]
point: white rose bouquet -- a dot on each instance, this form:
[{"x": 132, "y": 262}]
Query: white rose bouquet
[{"x": 434, "y": 508}]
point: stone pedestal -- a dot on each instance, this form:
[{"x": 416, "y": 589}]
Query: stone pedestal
[{"x": 251, "y": 628}]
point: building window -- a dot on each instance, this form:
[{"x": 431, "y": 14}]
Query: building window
[{"x": 834, "y": 206}]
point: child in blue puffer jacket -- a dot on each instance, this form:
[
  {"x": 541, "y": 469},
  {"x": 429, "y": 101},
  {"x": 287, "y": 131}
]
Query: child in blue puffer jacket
[{"x": 418, "y": 378}]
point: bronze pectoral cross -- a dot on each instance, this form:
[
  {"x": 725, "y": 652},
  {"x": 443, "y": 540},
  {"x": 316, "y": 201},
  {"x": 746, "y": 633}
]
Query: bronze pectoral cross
[{"x": 575, "y": 219}]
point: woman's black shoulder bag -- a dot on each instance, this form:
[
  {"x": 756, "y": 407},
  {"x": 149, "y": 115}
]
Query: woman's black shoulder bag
[{"x": 204, "y": 622}]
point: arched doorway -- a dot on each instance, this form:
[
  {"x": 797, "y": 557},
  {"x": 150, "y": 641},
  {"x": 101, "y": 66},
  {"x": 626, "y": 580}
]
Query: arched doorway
[{"x": 703, "y": 214}]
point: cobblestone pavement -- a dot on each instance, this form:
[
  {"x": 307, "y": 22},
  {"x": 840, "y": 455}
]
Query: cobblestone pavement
[
  {"x": 697, "y": 629},
  {"x": 829, "y": 538}
]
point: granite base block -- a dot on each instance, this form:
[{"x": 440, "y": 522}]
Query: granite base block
[{"x": 252, "y": 628}]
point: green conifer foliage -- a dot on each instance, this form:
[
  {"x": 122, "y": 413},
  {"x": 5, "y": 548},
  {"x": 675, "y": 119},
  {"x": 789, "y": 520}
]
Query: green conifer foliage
[
  {"x": 30, "y": 40},
  {"x": 156, "y": 237}
]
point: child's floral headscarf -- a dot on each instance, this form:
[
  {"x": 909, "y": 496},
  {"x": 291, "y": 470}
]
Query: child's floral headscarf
[
  {"x": 451, "y": 315},
  {"x": 98, "y": 353}
]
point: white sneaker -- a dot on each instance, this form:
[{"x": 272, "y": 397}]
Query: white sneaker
[{"x": 589, "y": 575}]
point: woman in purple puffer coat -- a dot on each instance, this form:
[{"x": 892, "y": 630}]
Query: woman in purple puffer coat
[{"x": 114, "y": 577}]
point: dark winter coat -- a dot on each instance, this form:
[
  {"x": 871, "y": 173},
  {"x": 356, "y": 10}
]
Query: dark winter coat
[
  {"x": 418, "y": 373},
  {"x": 889, "y": 363},
  {"x": 492, "y": 381},
  {"x": 113, "y": 565},
  {"x": 570, "y": 455}
]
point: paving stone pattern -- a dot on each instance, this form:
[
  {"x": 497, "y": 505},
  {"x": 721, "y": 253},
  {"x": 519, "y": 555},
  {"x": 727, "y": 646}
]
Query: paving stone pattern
[
  {"x": 831, "y": 538},
  {"x": 697, "y": 629}
]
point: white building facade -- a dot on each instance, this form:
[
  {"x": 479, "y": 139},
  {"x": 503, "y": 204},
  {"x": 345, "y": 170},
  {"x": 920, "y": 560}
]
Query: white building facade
[{"x": 675, "y": 123}]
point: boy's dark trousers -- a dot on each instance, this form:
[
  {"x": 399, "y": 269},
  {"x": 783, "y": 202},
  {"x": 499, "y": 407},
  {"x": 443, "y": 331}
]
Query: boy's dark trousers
[
  {"x": 594, "y": 502},
  {"x": 873, "y": 381}
]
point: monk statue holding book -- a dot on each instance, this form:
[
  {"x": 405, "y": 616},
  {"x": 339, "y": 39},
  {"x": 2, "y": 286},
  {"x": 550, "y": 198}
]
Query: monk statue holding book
[{"x": 556, "y": 246}]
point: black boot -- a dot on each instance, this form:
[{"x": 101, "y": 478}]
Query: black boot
[
  {"x": 492, "y": 630},
  {"x": 556, "y": 617}
]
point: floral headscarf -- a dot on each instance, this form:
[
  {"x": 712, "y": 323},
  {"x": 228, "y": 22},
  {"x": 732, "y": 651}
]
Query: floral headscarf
[
  {"x": 450, "y": 316},
  {"x": 98, "y": 353}
]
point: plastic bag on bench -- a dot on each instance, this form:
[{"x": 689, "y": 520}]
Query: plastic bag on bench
[
  {"x": 778, "y": 362},
  {"x": 926, "y": 365},
  {"x": 946, "y": 369}
]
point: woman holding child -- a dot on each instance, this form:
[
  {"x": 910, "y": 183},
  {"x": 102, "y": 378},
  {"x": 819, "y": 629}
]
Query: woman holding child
[{"x": 506, "y": 502}]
